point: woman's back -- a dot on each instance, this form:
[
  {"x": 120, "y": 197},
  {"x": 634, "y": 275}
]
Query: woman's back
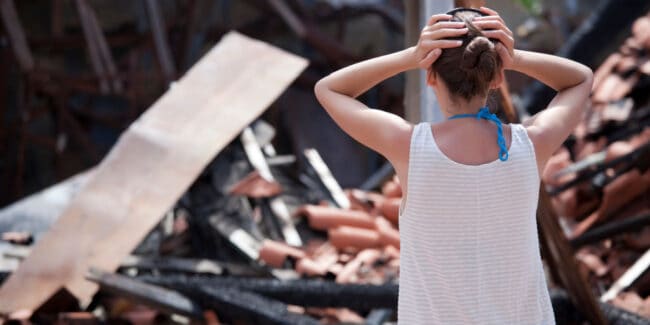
[{"x": 469, "y": 245}]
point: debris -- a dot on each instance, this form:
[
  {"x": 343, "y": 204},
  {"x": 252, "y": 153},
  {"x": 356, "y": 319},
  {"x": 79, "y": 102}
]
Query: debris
[{"x": 118, "y": 206}]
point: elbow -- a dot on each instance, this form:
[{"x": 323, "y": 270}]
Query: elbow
[
  {"x": 319, "y": 88},
  {"x": 588, "y": 75}
]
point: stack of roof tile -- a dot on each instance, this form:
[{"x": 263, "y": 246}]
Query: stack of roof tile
[
  {"x": 361, "y": 246},
  {"x": 602, "y": 178}
]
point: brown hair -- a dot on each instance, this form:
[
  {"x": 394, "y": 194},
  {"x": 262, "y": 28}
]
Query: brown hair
[{"x": 467, "y": 70}]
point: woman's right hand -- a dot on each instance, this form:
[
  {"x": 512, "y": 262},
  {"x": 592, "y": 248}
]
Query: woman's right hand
[
  {"x": 494, "y": 27},
  {"x": 433, "y": 39}
]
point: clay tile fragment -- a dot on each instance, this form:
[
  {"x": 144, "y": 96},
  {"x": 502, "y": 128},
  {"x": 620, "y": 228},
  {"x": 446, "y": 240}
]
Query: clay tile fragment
[
  {"x": 605, "y": 69},
  {"x": 593, "y": 262},
  {"x": 323, "y": 218},
  {"x": 318, "y": 265},
  {"x": 390, "y": 209},
  {"x": 388, "y": 235},
  {"x": 255, "y": 186},
  {"x": 349, "y": 272},
  {"x": 391, "y": 252},
  {"x": 392, "y": 188},
  {"x": 274, "y": 253},
  {"x": 346, "y": 236},
  {"x": 630, "y": 301},
  {"x": 640, "y": 30},
  {"x": 16, "y": 237},
  {"x": 359, "y": 200},
  {"x": 307, "y": 266},
  {"x": 210, "y": 317}
]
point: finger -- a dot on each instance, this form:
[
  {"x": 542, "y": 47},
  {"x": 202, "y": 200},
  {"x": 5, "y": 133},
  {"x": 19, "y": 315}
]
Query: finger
[
  {"x": 500, "y": 35},
  {"x": 430, "y": 58},
  {"x": 503, "y": 51},
  {"x": 489, "y": 11},
  {"x": 444, "y": 33},
  {"x": 489, "y": 18},
  {"x": 492, "y": 24},
  {"x": 444, "y": 24},
  {"x": 439, "y": 44},
  {"x": 435, "y": 18}
]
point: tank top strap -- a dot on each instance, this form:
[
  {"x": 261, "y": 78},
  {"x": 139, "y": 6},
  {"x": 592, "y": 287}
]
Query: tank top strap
[
  {"x": 521, "y": 139},
  {"x": 418, "y": 143}
]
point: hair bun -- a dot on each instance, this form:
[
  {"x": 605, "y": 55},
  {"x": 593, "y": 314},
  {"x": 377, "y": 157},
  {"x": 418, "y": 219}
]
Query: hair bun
[{"x": 480, "y": 54}]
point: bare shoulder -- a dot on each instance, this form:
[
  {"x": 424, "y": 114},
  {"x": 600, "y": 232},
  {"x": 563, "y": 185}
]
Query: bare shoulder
[{"x": 401, "y": 145}]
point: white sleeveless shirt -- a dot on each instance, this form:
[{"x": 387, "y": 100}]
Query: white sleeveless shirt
[{"x": 469, "y": 246}]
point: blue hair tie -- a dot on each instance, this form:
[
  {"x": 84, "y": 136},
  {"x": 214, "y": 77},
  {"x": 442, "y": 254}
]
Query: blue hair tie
[{"x": 484, "y": 113}]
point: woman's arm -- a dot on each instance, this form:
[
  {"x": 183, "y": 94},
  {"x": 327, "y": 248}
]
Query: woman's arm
[
  {"x": 549, "y": 128},
  {"x": 573, "y": 81},
  {"x": 381, "y": 131}
]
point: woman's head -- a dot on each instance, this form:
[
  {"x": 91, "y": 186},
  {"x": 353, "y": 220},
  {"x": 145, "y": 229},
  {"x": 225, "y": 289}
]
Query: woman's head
[{"x": 471, "y": 69}]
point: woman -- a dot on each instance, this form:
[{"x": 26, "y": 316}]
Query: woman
[{"x": 469, "y": 245}]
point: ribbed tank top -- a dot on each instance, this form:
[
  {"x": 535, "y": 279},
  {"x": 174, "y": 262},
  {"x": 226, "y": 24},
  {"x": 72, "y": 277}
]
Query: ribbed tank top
[{"x": 469, "y": 251}]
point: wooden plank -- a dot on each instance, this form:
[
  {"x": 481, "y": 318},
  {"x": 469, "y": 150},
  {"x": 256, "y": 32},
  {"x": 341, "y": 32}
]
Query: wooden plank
[{"x": 151, "y": 166}]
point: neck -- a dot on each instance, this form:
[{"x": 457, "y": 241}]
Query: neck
[{"x": 451, "y": 107}]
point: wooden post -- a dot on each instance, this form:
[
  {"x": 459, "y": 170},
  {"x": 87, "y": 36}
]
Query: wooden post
[{"x": 419, "y": 100}]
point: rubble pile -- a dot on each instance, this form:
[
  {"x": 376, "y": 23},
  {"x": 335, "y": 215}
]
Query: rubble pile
[{"x": 600, "y": 180}]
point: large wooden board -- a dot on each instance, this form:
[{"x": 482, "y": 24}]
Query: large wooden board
[{"x": 152, "y": 164}]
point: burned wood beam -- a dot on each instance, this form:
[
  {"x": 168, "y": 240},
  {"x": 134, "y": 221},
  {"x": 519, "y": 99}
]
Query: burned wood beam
[
  {"x": 632, "y": 274},
  {"x": 303, "y": 292},
  {"x": 232, "y": 301},
  {"x": 158, "y": 29},
  {"x": 326, "y": 177},
  {"x": 593, "y": 159},
  {"x": 147, "y": 294},
  {"x": 632, "y": 224},
  {"x": 104, "y": 51},
  {"x": 637, "y": 159},
  {"x": 93, "y": 46},
  {"x": 307, "y": 31},
  {"x": 278, "y": 206},
  {"x": 296, "y": 25},
  {"x": 239, "y": 304},
  {"x": 16, "y": 35}
]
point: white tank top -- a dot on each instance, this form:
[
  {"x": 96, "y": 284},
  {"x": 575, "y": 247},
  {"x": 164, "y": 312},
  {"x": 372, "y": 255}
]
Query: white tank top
[{"x": 469, "y": 247}]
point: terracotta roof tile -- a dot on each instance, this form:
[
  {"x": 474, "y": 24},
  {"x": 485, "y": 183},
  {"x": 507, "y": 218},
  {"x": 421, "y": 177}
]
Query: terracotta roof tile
[
  {"x": 275, "y": 253},
  {"x": 323, "y": 218},
  {"x": 346, "y": 236},
  {"x": 256, "y": 186}
]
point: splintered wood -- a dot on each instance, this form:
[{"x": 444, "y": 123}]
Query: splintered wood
[{"x": 153, "y": 163}]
